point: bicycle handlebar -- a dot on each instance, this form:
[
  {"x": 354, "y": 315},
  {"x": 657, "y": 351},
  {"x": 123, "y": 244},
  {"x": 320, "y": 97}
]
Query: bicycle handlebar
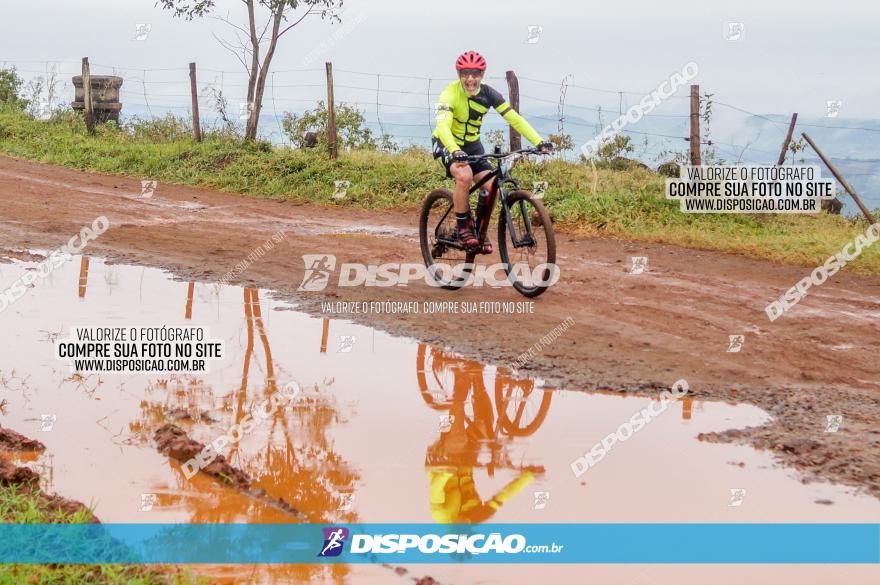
[{"x": 488, "y": 155}]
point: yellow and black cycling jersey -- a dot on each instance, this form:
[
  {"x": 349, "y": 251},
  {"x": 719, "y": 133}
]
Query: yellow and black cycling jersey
[
  {"x": 454, "y": 497},
  {"x": 459, "y": 116}
]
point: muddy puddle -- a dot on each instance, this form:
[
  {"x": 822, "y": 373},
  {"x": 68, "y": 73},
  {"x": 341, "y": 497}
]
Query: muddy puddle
[{"x": 383, "y": 426}]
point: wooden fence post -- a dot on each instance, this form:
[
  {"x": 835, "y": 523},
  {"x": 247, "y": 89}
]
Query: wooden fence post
[
  {"x": 787, "y": 139},
  {"x": 513, "y": 90},
  {"x": 83, "y": 276},
  {"x": 325, "y": 332},
  {"x": 188, "y": 311},
  {"x": 88, "y": 110},
  {"x": 331, "y": 115},
  {"x": 695, "y": 125},
  {"x": 197, "y": 128},
  {"x": 841, "y": 180}
]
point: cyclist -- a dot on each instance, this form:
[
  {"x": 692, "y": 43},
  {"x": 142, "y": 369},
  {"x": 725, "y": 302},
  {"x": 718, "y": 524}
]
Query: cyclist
[
  {"x": 450, "y": 461},
  {"x": 460, "y": 112}
]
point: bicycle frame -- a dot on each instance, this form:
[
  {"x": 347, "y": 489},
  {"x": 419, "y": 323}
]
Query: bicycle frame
[{"x": 497, "y": 190}]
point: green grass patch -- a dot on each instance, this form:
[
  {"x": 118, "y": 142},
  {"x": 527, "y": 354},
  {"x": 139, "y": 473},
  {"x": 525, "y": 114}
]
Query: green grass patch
[
  {"x": 621, "y": 203},
  {"x": 20, "y": 504}
]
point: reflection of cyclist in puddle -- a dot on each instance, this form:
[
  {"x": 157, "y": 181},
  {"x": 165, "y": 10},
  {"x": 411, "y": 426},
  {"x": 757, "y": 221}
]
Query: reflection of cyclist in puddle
[{"x": 450, "y": 461}]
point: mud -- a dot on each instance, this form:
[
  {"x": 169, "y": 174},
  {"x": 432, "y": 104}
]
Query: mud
[
  {"x": 174, "y": 442},
  {"x": 12, "y": 441},
  {"x": 13, "y": 475},
  {"x": 819, "y": 455},
  {"x": 181, "y": 414},
  {"x": 7, "y": 256},
  {"x": 632, "y": 333}
]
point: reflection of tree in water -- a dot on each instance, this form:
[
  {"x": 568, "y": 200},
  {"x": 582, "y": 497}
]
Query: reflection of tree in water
[
  {"x": 289, "y": 455},
  {"x": 181, "y": 394},
  {"x": 298, "y": 462}
]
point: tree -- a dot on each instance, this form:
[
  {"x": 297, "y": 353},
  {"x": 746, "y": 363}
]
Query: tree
[
  {"x": 617, "y": 147},
  {"x": 795, "y": 147},
  {"x": 247, "y": 47},
  {"x": 561, "y": 143},
  {"x": 10, "y": 85},
  {"x": 350, "y": 128}
]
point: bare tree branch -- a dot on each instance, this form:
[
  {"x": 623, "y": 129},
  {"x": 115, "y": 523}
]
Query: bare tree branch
[
  {"x": 265, "y": 28},
  {"x": 225, "y": 20},
  {"x": 299, "y": 20},
  {"x": 248, "y": 42},
  {"x": 229, "y": 47}
]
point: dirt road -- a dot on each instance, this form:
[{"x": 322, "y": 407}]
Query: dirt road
[{"x": 631, "y": 332}]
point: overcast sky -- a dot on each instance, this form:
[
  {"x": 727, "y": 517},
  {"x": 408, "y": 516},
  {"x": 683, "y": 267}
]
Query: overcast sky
[{"x": 793, "y": 55}]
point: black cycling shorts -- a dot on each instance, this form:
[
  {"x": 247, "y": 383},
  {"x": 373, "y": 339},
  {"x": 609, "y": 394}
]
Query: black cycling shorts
[{"x": 472, "y": 148}]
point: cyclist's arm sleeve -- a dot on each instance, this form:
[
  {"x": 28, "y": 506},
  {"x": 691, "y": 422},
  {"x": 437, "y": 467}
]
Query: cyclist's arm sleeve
[
  {"x": 519, "y": 123},
  {"x": 513, "y": 118},
  {"x": 444, "y": 120},
  {"x": 511, "y": 489}
]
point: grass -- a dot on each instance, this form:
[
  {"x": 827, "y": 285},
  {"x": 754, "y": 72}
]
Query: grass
[
  {"x": 76, "y": 574},
  {"x": 626, "y": 204},
  {"x": 21, "y": 504}
]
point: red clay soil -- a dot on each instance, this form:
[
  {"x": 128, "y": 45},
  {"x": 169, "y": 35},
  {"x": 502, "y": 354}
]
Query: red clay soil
[
  {"x": 12, "y": 441},
  {"x": 173, "y": 442},
  {"x": 635, "y": 333},
  {"x": 13, "y": 475}
]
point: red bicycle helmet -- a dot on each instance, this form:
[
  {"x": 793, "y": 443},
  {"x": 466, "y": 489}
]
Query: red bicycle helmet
[{"x": 470, "y": 60}]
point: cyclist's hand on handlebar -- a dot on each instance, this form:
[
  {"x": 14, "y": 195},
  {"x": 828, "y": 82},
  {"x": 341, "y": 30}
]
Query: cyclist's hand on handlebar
[
  {"x": 459, "y": 156},
  {"x": 545, "y": 147}
]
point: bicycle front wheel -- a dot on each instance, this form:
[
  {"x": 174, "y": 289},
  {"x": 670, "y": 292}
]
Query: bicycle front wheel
[
  {"x": 527, "y": 244},
  {"x": 449, "y": 263}
]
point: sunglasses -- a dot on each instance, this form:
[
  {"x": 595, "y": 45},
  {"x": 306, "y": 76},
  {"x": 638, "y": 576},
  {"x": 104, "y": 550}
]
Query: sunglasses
[{"x": 470, "y": 73}]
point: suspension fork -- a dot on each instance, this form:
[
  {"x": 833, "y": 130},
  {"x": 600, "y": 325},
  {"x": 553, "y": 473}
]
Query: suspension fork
[
  {"x": 506, "y": 216},
  {"x": 528, "y": 238}
]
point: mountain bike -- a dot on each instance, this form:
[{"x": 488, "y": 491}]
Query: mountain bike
[
  {"x": 526, "y": 242},
  {"x": 444, "y": 379}
]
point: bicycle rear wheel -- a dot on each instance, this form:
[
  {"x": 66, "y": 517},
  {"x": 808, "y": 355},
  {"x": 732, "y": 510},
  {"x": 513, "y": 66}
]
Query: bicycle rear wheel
[
  {"x": 529, "y": 252},
  {"x": 448, "y": 261}
]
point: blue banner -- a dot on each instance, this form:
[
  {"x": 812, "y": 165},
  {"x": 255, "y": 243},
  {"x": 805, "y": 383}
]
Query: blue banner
[{"x": 433, "y": 543}]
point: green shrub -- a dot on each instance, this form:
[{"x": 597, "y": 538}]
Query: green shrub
[{"x": 10, "y": 88}]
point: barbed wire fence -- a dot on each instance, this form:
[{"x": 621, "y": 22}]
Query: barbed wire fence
[{"x": 402, "y": 106}]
